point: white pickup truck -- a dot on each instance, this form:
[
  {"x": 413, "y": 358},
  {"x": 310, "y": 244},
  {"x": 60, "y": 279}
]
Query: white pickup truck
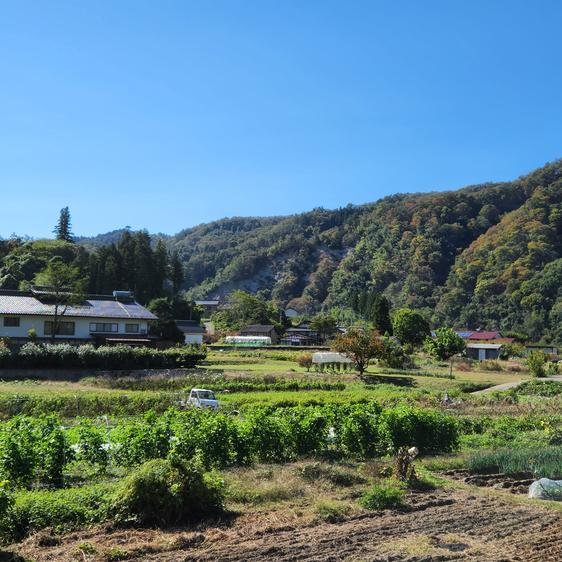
[{"x": 202, "y": 398}]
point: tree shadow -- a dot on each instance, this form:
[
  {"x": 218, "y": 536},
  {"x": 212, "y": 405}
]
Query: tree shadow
[{"x": 371, "y": 380}]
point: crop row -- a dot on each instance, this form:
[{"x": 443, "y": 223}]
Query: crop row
[{"x": 37, "y": 451}]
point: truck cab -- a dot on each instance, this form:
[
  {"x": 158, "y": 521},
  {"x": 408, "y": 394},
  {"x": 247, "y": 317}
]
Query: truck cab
[{"x": 203, "y": 398}]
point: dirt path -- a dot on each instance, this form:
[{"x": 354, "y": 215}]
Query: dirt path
[
  {"x": 441, "y": 525},
  {"x": 509, "y": 385}
]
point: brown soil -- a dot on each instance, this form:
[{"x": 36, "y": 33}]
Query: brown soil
[
  {"x": 513, "y": 484},
  {"x": 436, "y": 526}
]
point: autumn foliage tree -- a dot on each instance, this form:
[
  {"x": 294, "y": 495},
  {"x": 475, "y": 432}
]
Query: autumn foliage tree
[{"x": 361, "y": 346}]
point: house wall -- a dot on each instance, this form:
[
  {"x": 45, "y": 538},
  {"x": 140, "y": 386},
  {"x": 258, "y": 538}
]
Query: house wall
[
  {"x": 81, "y": 326},
  {"x": 193, "y": 338}
]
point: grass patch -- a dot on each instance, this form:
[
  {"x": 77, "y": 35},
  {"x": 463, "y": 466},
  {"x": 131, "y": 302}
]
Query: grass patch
[
  {"x": 383, "y": 495},
  {"x": 337, "y": 476},
  {"x": 331, "y": 511}
]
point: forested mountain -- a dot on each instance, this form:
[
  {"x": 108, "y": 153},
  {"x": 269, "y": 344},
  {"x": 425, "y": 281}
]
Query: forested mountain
[{"x": 485, "y": 256}]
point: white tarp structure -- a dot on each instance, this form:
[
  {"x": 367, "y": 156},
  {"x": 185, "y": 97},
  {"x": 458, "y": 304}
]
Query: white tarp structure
[
  {"x": 546, "y": 489},
  {"x": 250, "y": 341},
  {"x": 321, "y": 357}
]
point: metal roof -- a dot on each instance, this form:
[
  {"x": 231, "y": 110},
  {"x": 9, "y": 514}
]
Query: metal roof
[{"x": 28, "y": 305}]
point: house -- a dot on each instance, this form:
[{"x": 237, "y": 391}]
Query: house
[
  {"x": 99, "y": 319},
  {"x": 300, "y": 335},
  {"x": 191, "y": 330},
  {"x": 481, "y": 336},
  {"x": 260, "y": 330},
  {"x": 483, "y": 351}
]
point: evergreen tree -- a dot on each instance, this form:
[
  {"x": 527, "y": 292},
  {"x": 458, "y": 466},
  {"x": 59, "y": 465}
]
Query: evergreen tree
[
  {"x": 62, "y": 229},
  {"x": 380, "y": 315},
  {"x": 160, "y": 266},
  {"x": 176, "y": 272}
]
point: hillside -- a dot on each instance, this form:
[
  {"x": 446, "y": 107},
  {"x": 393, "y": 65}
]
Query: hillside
[{"x": 486, "y": 255}]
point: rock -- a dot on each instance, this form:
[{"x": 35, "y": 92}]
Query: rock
[{"x": 546, "y": 489}]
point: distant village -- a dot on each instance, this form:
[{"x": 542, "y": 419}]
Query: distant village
[{"x": 119, "y": 319}]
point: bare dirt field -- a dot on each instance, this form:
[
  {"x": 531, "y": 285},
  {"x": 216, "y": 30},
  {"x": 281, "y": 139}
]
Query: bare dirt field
[{"x": 440, "y": 525}]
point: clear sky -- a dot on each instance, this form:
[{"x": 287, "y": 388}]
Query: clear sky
[{"x": 163, "y": 114}]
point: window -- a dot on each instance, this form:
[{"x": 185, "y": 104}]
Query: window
[
  {"x": 104, "y": 327},
  {"x": 132, "y": 328},
  {"x": 11, "y": 322},
  {"x": 64, "y": 328}
]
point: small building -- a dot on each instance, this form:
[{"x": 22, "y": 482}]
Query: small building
[
  {"x": 192, "y": 331},
  {"x": 260, "y": 330},
  {"x": 209, "y": 306},
  {"x": 549, "y": 349},
  {"x": 483, "y": 351},
  {"x": 98, "y": 319}
]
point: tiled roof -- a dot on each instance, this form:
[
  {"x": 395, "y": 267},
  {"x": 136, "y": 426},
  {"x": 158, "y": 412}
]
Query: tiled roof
[
  {"x": 189, "y": 327},
  {"x": 481, "y": 336},
  {"x": 25, "y": 305}
]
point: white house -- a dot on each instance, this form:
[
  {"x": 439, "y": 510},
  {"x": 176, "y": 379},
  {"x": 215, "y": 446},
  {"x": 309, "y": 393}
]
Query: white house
[
  {"x": 116, "y": 318},
  {"x": 192, "y": 331}
]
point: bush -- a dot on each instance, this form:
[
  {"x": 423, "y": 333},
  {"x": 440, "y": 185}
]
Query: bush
[
  {"x": 490, "y": 365},
  {"x": 305, "y": 361},
  {"x": 62, "y": 510},
  {"x": 33, "y": 355},
  {"x": 539, "y": 388},
  {"x": 536, "y": 361},
  {"x": 383, "y": 496},
  {"x": 393, "y": 354},
  {"x": 360, "y": 434},
  {"x": 430, "y": 431},
  {"x": 164, "y": 493}
]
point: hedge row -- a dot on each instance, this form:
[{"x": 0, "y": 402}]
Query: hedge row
[
  {"x": 210, "y": 381},
  {"x": 38, "y": 451},
  {"x": 32, "y": 355}
]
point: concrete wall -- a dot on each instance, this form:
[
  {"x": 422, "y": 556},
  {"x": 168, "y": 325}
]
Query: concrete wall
[{"x": 81, "y": 326}]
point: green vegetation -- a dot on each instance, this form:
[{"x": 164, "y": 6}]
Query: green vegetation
[
  {"x": 118, "y": 357},
  {"x": 539, "y": 462},
  {"x": 386, "y": 495},
  {"x": 539, "y": 388}
]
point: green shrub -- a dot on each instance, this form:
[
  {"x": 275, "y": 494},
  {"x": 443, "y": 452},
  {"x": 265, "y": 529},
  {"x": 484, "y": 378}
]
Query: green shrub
[
  {"x": 384, "y": 495},
  {"x": 270, "y": 436},
  {"x": 62, "y": 355},
  {"x": 536, "y": 361},
  {"x": 142, "y": 440},
  {"x": 539, "y": 388},
  {"x": 428, "y": 430},
  {"x": 164, "y": 493},
  {"x": 62, "y": 510},
  {"x": 360, "y": 434}
]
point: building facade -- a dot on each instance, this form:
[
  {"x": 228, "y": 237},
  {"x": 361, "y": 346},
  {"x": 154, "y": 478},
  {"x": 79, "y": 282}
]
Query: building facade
[{"x": 99, "y": 319}]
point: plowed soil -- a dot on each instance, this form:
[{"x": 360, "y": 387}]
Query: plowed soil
[{"x": 435, "y": 526}]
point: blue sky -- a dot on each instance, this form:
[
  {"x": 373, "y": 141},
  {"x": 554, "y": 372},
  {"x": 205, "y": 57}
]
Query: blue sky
[{"x": 167, "y": 114}]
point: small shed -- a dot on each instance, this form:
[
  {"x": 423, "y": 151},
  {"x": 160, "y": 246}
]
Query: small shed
[
  {"x": 192, "y": 331},
  {"x": 483, "y": 351},
  {"x": 260, "y": 330}
]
